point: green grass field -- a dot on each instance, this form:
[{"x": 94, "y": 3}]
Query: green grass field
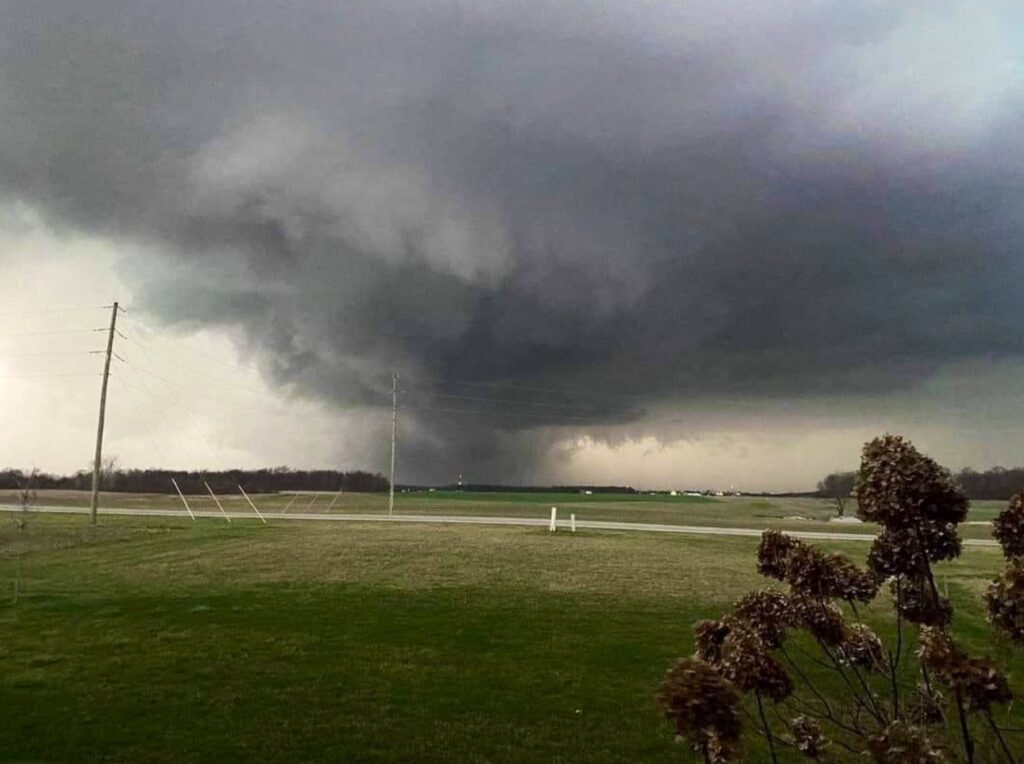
[
  {"x": 158, "y": 639},
  {"x": 730, "y": 511}
]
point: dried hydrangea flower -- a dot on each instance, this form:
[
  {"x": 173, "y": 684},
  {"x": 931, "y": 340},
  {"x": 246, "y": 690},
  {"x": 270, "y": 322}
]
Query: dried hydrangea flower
[
  {"x": 823, "y": 619},
  {"x": 710, "y": 634},
  {"x": 907, "y": 551},
  {"x": 767, "y": 614},
  {"x": 898, "y": 486},
  {"x": 747, "y": 664},
  {"x": 926, "y": 705},
  {"x": 1005, "y": 600},
  {"x": 807, "y": 737},
  {"x": 773, "y": 554},
  {"x": 978, "y": 681},
  {"x": 827, "y": 576},
  {"x": 1008, "y": 527},
  {"x": 903, "y": 743},
  {"x": 703, "y": 707},
  {"x": 919, "y": 604},
  {"x": 862, "y": 647}
]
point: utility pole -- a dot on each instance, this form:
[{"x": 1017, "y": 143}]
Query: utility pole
[
  {"x": 394, "y": 434},
  {"x": 94, "y": 502}
]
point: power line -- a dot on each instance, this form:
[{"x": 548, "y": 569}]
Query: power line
[
  {"x": 68, "y": 309},
  {"x": 56, "y": 352},
  {"x": 537, "y": 404},
  {"x": 560, "y": 391},
  {"x": 57, "y": 331},
  {"x": 42, "y": 376},
  {"x": 153, "y": 356},
  {"x": 161, "y": 333}
]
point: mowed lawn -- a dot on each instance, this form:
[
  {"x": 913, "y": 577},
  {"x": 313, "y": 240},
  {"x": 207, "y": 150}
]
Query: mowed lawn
[
  {"x": 781, "y": 513},
  {"x": 158, "y": 639}
]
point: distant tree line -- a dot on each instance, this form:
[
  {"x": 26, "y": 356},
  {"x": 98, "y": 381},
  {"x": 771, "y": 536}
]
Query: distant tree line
[
  {"x": 495, "y": 488},
  {"x": 997, "y": 483},
  {"x": 221, "y": 481}
]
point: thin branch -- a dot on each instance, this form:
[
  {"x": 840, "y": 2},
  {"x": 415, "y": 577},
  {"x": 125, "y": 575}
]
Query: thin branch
[
  {"x": 999, "y": 737},
  {"x": 767, "y": 729}
]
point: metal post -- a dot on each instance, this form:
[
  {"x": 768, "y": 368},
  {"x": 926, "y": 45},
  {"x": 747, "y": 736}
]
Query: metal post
[
  {"x": 94, "y": 501},
  {"x": 394, "y": 434},
  {"x": 183, "y": 500},
  {"x": 260, "y": 516},
  {"x": 217, "y": 501}
]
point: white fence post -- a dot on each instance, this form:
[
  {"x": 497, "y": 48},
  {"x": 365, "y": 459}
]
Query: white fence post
[
  {"x": 572, "y": 521},
  {"x": 554, "y": 519}
]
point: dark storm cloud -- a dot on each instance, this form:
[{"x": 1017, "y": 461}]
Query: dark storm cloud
[{"x": 630, "y": 198}]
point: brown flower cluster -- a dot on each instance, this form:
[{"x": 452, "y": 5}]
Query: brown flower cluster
[
  {"x": 811, "y": 572},
  {"x": 977, "y": 681},
  {"x": 920, "y": 604},
  {"x": 1008, "y": 527},
  {"x": 907, "y": 551},
  {"x": 703, "y": 707},
  {"x": 823, "y": 619},
  {"x": 899, "y": 487},
  {"x": 766, "y": 613},
  {"x": 903, "y": 743},
  {"x": 746, "y": 662},
  {"x": 807, "y": 737},
  {"x": 1005, "y": 600},
  {"x": 926, "y": 705},
  {"x": 862, "y": 647}
]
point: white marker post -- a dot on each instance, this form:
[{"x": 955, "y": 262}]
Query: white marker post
[
  {"x": 187, "y": 507},
  {"x": 261, "y": 517},
  {"x": 572, "y": 521},
  {"x": 554, "y": 520},
  {"x": 217, "y": 501}
]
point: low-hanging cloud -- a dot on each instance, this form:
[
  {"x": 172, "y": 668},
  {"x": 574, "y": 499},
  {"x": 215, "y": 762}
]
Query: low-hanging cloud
[{"x": 635, "y": 202}]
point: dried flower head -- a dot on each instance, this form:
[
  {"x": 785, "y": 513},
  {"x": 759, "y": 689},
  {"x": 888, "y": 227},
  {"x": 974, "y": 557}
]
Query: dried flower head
[
  {"x": 767, "y": 614},
  {"x": 903, "y": 743},
  {"x": 703, "y": 707},
  {"x": 862, "y": 647},
  {"x": 1005, "y": 600},
  {"x": 906, "y": 551},
  {"x": 899, "y": 487},
  {"x": 926, "y": 705},
  {"x": 1008, "y": 527},
  {"x": 773, "y": 554},
  {"x": 709, "y": 636},
  {"x": 920, "y": 604},
  {"x": 807, "y": 737},
  {"x": 747, "y": 664},
  {"x": 823, "y": 619},
  {"x": 827, "y": 576},
  {"x": 978, "y": 681}
]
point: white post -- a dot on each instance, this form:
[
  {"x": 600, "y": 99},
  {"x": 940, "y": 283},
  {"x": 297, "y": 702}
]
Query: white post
[
  {"x": 217, "y": 501},
  {"x": 187, "y": 507},
  {"x": 572, "y": 521},
  {"x": 313, "y": 502},
  {"x": 554, "y": 519},
  {"x": 261, "y": 517}
]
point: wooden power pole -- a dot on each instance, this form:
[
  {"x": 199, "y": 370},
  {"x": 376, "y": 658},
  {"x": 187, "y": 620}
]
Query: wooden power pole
[
  {"x": 394, "y": 434},
  {"x": 97, "y": 464}
]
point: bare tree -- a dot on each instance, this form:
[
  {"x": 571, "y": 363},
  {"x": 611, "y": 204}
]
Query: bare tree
[{"x": 839, "y": 487}]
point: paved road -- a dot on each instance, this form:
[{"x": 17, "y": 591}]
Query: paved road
[{"x": 695, "y": 530}]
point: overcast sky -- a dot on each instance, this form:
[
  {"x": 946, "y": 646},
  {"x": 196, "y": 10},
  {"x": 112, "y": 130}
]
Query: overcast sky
[{"x": 666, "y": 244}]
